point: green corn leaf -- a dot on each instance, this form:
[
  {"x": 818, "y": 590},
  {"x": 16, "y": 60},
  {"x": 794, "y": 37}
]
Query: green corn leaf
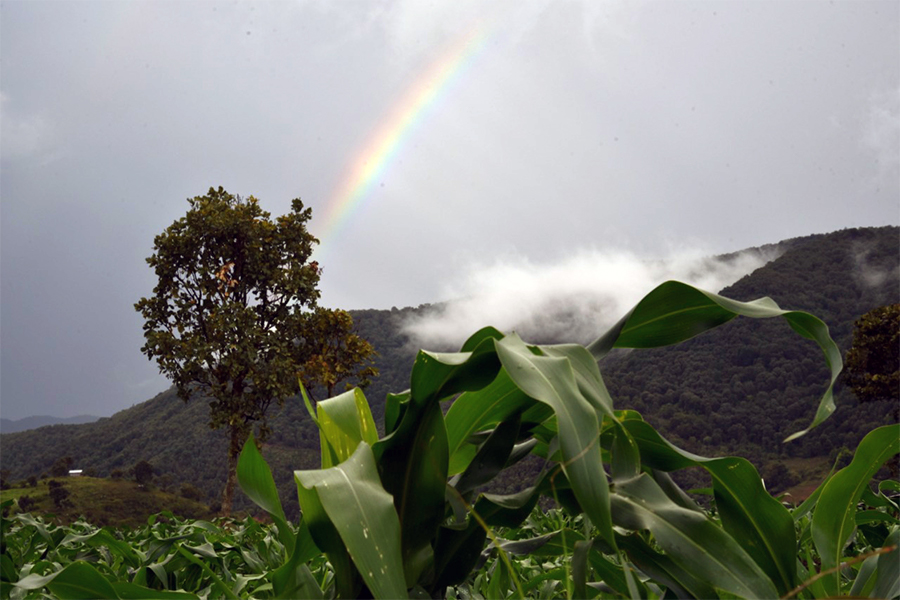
[
  {"x": 478, "y": 410},
  {"x": 131, "y": 591},
  {"x": 833, "y": 521},
  {"x": 551, "y": 380},
  {"x": 77, "y": 581},
  {"x": 512, "y": 509},
  {"x": 689, "y": 538},
  {"x": 456, "y": 553},
  {"x": 674, "y": 312},
  {"x": 394, "y": 406},
  {"x": 863, "y": 583},
  {"x": 759, "y": 523},
  {"x": 680, "y": 582},
  {"x": 491, "y": 457},
  {"x": 255, "y": 479},
  {"x": 587, "y": 375},
  {"x": 413, "y": 463},
  {"x": 345, "y": 421},
  {"x": 102, "y": 537},
  {"x": 580, "y": 567},
  {"x": 887, "y": 584},
  {"x": 363, "y": 514},
  {"x": 436, "y": 376},
  {"x": 326, "y": 537}
]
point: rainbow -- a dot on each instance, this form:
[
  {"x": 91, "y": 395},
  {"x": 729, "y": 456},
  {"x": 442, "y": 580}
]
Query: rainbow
[{"x": 385, "y": 144}]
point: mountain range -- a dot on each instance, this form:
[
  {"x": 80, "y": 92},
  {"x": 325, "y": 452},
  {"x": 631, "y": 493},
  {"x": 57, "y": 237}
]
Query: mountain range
[
  {"x": 740, "y": 389},
  {"x": 12, "y": 426}
]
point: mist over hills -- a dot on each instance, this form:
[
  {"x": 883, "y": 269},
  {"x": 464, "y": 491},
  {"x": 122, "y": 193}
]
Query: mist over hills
[{"x": 738, "y": 389}]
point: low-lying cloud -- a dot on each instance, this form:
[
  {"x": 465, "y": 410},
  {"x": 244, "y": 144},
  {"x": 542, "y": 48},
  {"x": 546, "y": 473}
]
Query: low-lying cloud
[{"x": 572, "y": 300}]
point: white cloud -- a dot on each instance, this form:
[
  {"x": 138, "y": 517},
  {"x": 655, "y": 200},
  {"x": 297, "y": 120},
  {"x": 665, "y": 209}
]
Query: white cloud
[{"x": 574, "y": 299}]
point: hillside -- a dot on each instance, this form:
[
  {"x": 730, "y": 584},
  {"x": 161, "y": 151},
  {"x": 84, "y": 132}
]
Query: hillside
[
  {"x": 739, "y": 389},
  {"x": 12, "y": 426},
  {"x": 102, "y": 502}
]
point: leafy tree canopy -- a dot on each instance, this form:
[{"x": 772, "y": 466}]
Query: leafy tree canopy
[
  {"x": 237, "y": 294},
  {"x": 873, "y": 362}
]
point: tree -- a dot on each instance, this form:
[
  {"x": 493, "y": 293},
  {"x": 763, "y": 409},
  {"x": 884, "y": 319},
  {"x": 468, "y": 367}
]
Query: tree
[
  {"x": 872, "y": 368},
  {"x": 142, "y": 472},
  {"x": 337, "y": 353},
  {"x": 61, "y": 467},
  {"x": 236, "y": 297}
]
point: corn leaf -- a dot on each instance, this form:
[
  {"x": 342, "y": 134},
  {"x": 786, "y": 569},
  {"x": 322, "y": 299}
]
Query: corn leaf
[
  {"x": 674, "y": 312},
  {"x": 833, "y": 521},
  {"x": 363, "y": 514}
]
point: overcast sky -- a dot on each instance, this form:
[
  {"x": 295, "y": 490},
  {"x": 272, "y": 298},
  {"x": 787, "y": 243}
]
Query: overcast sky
[{"x": 498, "y": 136}]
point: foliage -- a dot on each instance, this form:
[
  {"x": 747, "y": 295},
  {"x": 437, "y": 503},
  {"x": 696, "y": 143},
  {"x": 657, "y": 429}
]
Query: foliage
[
  {"x": 873, "y": 362},
  {"x": 165, "y": 558},
  {"x": 105, "y": 502},
  {"x": 61, "y": 467},
  {"x": 58, "y": 493},
  {"x": 142, "y": 472},
  {"x": 336, "y": 352},
  {"x": 736, "y": 390},
  {"x": 232, "y": 304},
  {"x": 399, "y": 514}
]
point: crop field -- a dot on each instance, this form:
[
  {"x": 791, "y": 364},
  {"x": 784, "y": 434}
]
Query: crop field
[{"x": 402, "y": 515}]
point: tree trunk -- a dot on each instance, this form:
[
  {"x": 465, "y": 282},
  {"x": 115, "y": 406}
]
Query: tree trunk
[{"x": 234, "y": 451}]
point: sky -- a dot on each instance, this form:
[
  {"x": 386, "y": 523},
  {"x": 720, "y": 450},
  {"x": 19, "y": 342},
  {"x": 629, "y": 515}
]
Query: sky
[{"x": 481, "y": 152}]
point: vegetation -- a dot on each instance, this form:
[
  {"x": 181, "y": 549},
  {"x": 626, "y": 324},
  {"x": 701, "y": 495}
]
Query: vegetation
[
  {"x": 873, "y": 363},
  {"x": 107, "y": 502},
  {"x": 399, "y": 514},
  {"x": 231, "y": 317},
  {"x": 736, "y": 390}
]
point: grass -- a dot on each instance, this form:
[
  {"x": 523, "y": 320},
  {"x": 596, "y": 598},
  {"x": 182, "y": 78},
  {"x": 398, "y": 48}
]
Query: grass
[{"x": 115, "y": 502}]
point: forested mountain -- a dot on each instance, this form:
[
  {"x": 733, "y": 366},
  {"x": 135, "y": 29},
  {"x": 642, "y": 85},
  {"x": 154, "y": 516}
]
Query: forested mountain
[
  {"x": 12, "y": 426},
  {"x": 739, "y": 389}
]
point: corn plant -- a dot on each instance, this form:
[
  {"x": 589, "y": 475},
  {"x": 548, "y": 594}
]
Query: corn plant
[{"x": 401, "y": 516}]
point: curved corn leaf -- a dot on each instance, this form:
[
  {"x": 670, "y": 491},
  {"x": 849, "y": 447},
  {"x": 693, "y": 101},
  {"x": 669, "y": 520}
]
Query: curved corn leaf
[
  {"x": 552, "y": 380},
  {"x": 759, "y": 523},
  {"x": 478, "y": 410},
  {"x": 102, "y": 537},
  {"x": 491, "y": 457},
  {"x": 76, "y": 581},
  {"x": 674, "y": 312},
  {"x": 691, "y": 540},
  {"x": 436, "y": 376},
  {"x": 834, "y": 518},
  {"x": 680, "y": 582},
  {"x": 293, "y": 579},
  {"x": 344, "y": 421},
  {"x": 255, "y": 479},
  {"x": 363, "y": 514}
]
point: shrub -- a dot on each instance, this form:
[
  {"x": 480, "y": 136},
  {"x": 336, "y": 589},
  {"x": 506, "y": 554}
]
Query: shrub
[
  {"x": 26, "y": 503},
  {"x": 59, "y": 494},
  {"x": 191, "y": 492}
]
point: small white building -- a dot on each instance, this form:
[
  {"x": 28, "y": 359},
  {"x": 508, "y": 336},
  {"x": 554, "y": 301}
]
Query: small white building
[{"x": 75, "y": 472}]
